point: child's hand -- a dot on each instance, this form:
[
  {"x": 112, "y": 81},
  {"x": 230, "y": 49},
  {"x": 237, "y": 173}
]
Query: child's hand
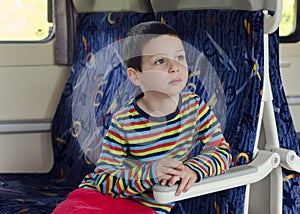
[
  {"x": 188, "y": 178},
  {"x": 168, "y": 168}
]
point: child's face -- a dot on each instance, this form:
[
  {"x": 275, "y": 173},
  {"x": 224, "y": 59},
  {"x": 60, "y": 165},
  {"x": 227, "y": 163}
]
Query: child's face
[{"x": 164, "y": 66}]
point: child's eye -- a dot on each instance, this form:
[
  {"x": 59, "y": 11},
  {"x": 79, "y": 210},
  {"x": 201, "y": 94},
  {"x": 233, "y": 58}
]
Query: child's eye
[
  {"x": 159, "y": 61},
  {"x": 180, "y": 57}
]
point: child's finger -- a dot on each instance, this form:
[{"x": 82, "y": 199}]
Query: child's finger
[
  {"x": 174, "y": 172},
  {"x": 189, "y": 184},
  {"x": 180, "y": 167},
  {"x": 163, "y": 182},
  {"x": 181, "y": 186},
  {"x": 165, "y": 177},
  {"x": 185, "y": 185},
  {"x": 173, "y": 163},
  {"x": 173, "y": 180}
]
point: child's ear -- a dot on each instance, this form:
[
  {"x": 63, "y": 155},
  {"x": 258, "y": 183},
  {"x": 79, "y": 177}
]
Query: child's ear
[{"x": 134, "y": 76}]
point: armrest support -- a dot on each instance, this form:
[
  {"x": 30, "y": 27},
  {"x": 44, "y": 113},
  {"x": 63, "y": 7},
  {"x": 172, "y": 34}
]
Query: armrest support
[
  {"x": 289, "y": 159},
  {"x": 260, "y": 167}
]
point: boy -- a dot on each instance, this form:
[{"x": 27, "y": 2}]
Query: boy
[{"x": 163, "y": 136}]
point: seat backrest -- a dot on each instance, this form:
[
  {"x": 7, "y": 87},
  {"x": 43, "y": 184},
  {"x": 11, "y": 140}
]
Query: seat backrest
[
  {"x": 225, "y": 54},
  {"x": 91, "y": 88},
  {"x": 236, "y": 57},
  {"x": 232, "y": 42}
]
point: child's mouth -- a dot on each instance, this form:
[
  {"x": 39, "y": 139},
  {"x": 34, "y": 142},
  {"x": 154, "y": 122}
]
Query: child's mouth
[{"x": 175, "y": 81}]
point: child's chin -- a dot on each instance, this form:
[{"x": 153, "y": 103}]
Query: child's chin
[{"x": 174, "y": 92}]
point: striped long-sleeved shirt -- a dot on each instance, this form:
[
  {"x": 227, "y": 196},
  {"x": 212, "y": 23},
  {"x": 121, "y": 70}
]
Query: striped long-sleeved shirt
[{"x": 135, "y": 142}]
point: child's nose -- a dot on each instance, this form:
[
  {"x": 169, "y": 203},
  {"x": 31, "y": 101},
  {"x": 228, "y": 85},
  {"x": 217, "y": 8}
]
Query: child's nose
[{"x": 174, "y": 68}]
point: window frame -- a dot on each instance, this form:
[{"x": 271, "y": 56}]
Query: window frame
[
  {"x": 51, "y": 35},
  {"x": 295, "y": 36}
]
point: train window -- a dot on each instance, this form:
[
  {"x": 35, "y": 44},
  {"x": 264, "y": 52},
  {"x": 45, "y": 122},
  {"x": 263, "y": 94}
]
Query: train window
[
  {"x": 31, "y": 20},
  {"x": 289, "y": 27},
  {"x": 26, "y": 20}
]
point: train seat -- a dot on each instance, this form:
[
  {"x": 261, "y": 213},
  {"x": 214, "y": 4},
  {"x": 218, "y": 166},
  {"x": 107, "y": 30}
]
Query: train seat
[
  {"x": 240, "y": 79},
  {"x": 226, "y": 63}
]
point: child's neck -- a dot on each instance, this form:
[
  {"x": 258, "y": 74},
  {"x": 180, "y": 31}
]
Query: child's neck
[{"x": 158, "y": 104}]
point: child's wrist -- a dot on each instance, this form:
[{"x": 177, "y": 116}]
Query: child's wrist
[{"x": 153, "y": 175}]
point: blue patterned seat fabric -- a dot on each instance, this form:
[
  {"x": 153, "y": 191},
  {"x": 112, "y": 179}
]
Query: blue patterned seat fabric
[
  {"x": 286, "y": 132},
  {"x": 225, "y": 53},
  {"x": 237, "y": 58}
]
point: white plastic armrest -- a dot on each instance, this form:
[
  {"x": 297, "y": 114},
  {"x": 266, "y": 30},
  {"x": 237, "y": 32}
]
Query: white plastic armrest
[
  {"x": 288, "y": 159},
  {"x": 260, "y": 167}
]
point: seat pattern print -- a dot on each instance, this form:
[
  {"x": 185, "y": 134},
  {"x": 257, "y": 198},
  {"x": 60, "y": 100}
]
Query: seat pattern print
[
  {"x": 286, "y": 131},
  {"x": 237, "y": 57}
]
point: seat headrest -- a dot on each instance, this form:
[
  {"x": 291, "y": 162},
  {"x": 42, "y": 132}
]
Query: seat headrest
[
  {"x": 85, "y": 6},
  {"x": 174, "y": 5}
]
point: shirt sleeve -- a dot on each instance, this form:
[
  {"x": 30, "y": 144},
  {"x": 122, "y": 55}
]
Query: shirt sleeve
[
  {"x": 116, "y": 174},
  {"x": 214, "y": 157}
]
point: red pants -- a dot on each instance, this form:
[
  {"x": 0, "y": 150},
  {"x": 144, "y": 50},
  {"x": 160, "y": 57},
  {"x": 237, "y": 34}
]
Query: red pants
[{"x": 86, "y": 201}]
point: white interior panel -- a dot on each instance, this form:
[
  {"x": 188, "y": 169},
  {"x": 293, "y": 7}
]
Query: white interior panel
[
  {"x": 25, "y": 153},
  {"x": 30, "y": 92},
  {"x": 290, "y": 73},
  {"x": 295, "y": 111},
  {"x": 30, "y": 88}
]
